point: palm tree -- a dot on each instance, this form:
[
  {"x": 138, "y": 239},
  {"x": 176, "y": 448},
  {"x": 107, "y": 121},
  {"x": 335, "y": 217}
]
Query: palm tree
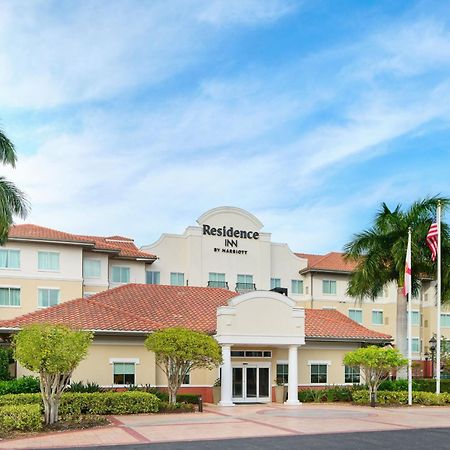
[
  {"x": 12, "y": 200},
  {"x": 380, "y": 253}
]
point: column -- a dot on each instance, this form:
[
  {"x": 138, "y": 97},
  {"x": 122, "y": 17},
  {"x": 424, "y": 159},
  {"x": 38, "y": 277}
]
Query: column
[
  {"x": 293, "y": 377},
  {"x": 226, "y": 384}
]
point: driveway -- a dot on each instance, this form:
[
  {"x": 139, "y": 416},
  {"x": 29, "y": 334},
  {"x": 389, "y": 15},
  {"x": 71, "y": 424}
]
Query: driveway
[{"x": 244, "y": 421}]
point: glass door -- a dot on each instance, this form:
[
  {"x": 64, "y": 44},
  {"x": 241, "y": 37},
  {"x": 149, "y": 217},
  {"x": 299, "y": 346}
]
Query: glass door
[{"x": 251, "y": 383}]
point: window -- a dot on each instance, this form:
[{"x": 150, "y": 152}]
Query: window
[
  {"x": 415, "y": 318},
  {"x": 329, "y": 287},
  {"x": 187, "y": 378},
  {"x": 282, "y": 373},
  {"x": 152, "y": 277},
  {"x": 445, "y": 320},
  {"x": 245, "y": 278},
  {"x": 251, "y": 353},
  {"x": 177, "y": 279},
  {"x": 352, "y": 374},
  {"x": 415, "y": 345},
  {"x": 275, "y": 283},
  {"x": 91, "y": 268},
  {"x": 377, "y": 317},
  {"x": 120, "y": 274},
  {"x": 124, "y": 373},
  {"x": 217, "y": 280},
  {"x": 9, "y": 259},
  {"x": 9, "y": 296},
  {"x": 48, "y": 297},
  {"x": 355, "y": 314},
  {"x": 245, "y": 283},
  {"x": 319, "y": 373},
  {"x": 48, "y": 261},
  {"x": 297, "y": 286}
]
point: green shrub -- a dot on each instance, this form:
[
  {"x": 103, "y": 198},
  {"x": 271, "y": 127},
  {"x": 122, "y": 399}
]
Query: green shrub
[
  {"x": 401, "y": 398},
  {"x": 20, "y": 399},
  {"x": 167, "y": 407},
  {"x": 22, "y": 385},
  {"x": 5, "y": 358},
  {"x": 108, "y": 403},
  {"x": 20, "y": 417},
  {"x": 429, "y": 385},
  {"x": 397, "y": 385},
  {"x": 332, "y": 394},
  {"x": 79, "y": 386},
  {"x": 74, "y": 403}
]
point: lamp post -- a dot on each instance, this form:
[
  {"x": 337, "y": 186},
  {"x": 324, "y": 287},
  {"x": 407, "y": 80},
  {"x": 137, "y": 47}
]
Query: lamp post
[{"x": 432, "y": 343}]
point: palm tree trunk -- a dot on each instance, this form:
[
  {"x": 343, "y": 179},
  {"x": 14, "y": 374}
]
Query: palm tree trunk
[{"x": 401, "y": 340}]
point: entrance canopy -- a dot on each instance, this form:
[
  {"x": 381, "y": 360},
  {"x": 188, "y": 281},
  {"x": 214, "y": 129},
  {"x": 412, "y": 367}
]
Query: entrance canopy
[{"x": 261, "y": 318}]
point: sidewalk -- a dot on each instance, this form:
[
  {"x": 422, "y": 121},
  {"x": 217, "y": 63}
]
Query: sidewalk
[{"x": 240, "y": 422}]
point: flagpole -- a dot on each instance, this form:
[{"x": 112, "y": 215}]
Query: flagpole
[
  {"x": 438, "y": 327},
  {"x": 408, "y": 283}
]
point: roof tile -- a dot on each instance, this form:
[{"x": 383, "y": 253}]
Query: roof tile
[{"x": 143, "y": 307}]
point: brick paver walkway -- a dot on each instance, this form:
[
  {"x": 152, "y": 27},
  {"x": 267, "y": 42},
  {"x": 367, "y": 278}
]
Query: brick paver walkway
[{"x": 239, "y": 422}]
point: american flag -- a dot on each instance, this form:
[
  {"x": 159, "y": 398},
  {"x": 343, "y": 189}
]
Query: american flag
[
  {"x": 432, "y": 240},
  {"x": 407, "y": 279}
]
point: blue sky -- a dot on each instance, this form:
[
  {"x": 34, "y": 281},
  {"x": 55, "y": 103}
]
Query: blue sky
[{"x": 135, "y": 117}]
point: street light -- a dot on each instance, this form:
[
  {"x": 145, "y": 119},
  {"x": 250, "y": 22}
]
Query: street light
[{"x": 432, "y": 343}]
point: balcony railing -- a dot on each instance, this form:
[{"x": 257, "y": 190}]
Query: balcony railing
[
  {"x": 218, "y": 284},
  {"x": 245, "y": 287}
]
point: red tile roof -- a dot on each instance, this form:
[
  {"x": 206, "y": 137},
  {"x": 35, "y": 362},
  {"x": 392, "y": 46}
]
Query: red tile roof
[
  {"x": 144, "y": 307},
  {"x": 331, "y": 324},
  {"x": 121, "y": 246},
  {"x": 333, "y": 261}
]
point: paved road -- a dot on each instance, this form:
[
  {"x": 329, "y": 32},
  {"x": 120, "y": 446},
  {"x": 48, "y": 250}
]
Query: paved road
[{"x": 420, "y": 439}]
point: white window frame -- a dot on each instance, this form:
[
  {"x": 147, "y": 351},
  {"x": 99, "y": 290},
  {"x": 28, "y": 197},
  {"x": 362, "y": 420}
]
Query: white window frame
[
  {"x": 447, "y": 315},
  {"x": 281, "y": 362},
  {"x": 416, "y": 339},
  {"x": 318, "y": 363},
  {"x": 329, "y": 281},
  {"x": 3, "y": 286},
  {"x": 275, "y": 283},
  {"x": 153, "y": 272},
  {"x": 48, "y": 288},
  {"x": 177, "y": 274},
  {"x": 418, "y": 315},
  {"x": 358, "y": 310},
  {"x": 50, "y": 270},
  {"x": 353, "y": 382},
  {"x": 382, "y": 317},
  {"x": 120, "y": 267},
  {"x": 92, "y": 260},
  {"x": 135, "y": 361},
  {"x": 11, "y": 250},
  {"x": 300, "y": 284}
]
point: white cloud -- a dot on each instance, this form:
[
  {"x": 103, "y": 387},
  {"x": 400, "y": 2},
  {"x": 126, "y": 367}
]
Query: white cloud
[{"x": 253, "y": 140}]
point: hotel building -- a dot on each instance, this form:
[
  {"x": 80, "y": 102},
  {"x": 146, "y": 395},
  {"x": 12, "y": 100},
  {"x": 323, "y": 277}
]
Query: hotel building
[{"x": 217, "y": 277}]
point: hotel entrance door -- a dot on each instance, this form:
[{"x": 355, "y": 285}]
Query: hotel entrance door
[{"x": 251, "y": 383}]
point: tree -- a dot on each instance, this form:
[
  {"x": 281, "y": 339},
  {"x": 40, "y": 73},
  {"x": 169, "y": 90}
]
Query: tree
[
  {"x": 375, "y": 364},
  {"x": 54, "y": 351},
  {"x": 380, "y": 253},
  {"x": 12, "y": 200},
  {"x": 179, "y": 350}
]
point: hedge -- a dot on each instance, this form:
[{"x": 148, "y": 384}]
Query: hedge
[
  {"x": 181, "y": 398},
  {"x": 92, "y": 403},
  {"x": 401, "y": 398},
  {"x": 334, "y": 394},
  {"x": 429, "y": 385},
  {"x": 20, "y": 417},
  {"x": 20, "y": 386}
]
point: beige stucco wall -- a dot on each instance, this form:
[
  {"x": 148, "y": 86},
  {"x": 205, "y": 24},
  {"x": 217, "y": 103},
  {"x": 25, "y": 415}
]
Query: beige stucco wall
[
  {"x": 29, "y": 293},
  {"x": 97, "y": 367},
  {"x": 261, "y": 318}
]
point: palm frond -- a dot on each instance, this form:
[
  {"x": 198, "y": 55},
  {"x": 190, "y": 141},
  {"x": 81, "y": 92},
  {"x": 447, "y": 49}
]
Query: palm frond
[{"x": 7, "y": 151}]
